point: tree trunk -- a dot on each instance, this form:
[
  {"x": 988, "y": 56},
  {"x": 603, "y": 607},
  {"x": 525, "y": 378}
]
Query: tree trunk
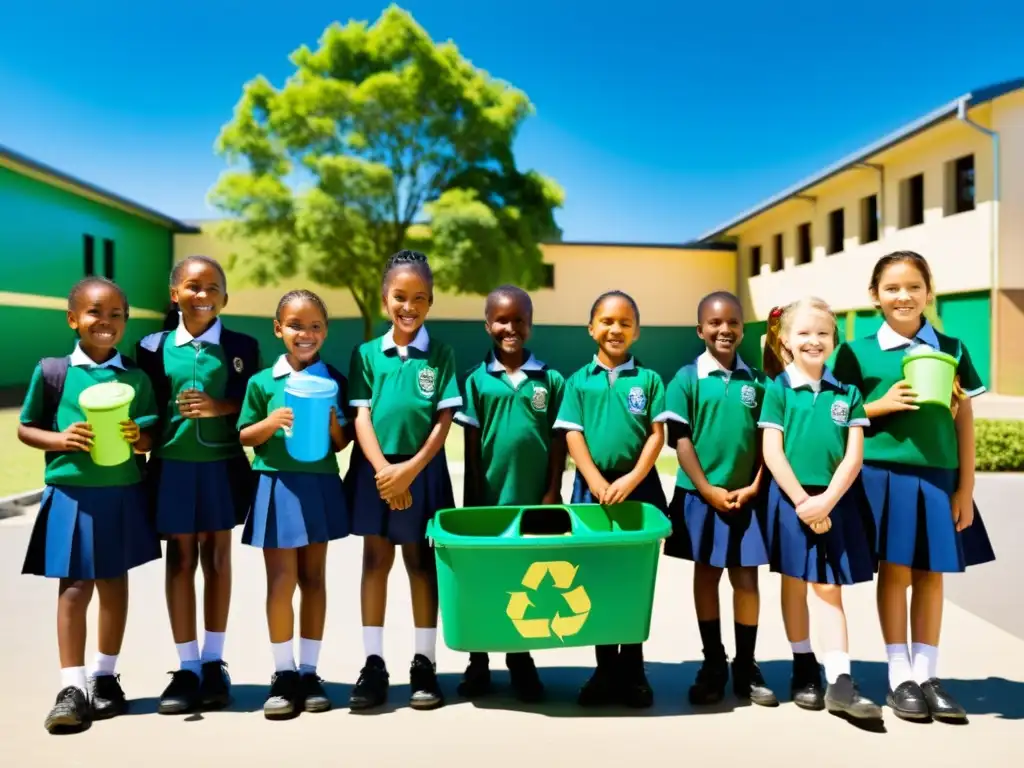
[{"x": 369, "y": 320}]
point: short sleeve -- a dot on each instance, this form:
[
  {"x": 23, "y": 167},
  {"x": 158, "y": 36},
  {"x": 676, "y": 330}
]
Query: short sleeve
[
  {"x": 254, "y": 405},
  {"x": 448, "y": 382},
  {"x": 144, "y": 410},
  {"x": 556, "y": 382},
  {"x": 970, "y": 381},
  {"x": 33, "y": 407},
  {"x": 570, "y": 412},
  {"x": 360, "y": 381},
  {"x": 858, "y": 416},
  {"x": 678, "y": 399},
  {"x": 845, "y": 366},
  {"x": 773, "y": 411},
  {"x": 469, "y": 415},
  {"x": 657, "y": 396}
]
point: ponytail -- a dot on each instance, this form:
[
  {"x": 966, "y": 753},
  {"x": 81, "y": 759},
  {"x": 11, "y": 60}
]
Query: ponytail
[
  {"x": 773, "y": 362},
  {"x": 171, "y": 319}
]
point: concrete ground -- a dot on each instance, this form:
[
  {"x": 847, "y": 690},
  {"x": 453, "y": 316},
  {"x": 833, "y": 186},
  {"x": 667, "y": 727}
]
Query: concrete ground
[{"x": 982, "y": 664}]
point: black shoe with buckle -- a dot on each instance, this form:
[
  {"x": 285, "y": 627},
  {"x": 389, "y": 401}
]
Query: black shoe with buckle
[
  {"x": 313, "y": 694},
  {"x": 843, "y": 697},
  {"x": 940, "y": 703},
  {"x": 285, "y": 698},
  {"x": 806, "y": 687},
  {"x": 70, "y": 713},
  {"x": 908, "y": 702},
  {"x": 215, "y": 690},
  {"x": 425, "y": 690},
  {"x": 526, "y": 683},
  {"x": 371, "y": 689},
  {"x": 748, "y": 684},
  {"x": 108, "y": 700},
  {"x": 709, "y": 686},
  {"x": 181, "y": 695},
  {"x": 476, "y": 680}
]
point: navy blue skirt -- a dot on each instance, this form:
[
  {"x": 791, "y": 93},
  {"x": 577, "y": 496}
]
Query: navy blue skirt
[
  {"x": 294, "y": 509},
  {"x": 371, "y": 515},
  {"x": 843, "y": 555},
  {"x": 914, "y": 519},
  {"x": 649, "y": 491},
  {"x": 192, "y": 497},
  {"x": 91, "y": 533},
  {"x": 705, "y": 535}
]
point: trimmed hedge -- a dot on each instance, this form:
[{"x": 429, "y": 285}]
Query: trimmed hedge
[{"x": 999, "y": 445}]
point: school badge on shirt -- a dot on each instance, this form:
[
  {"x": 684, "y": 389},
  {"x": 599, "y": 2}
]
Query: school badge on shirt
[
  {"x": 637, "y": 400},
  {"x": 748, "y": 396},
  {"x": 539, "y": 400},
  {"x": 840, "y": 412},
  {"x": 426, "y": 381},
  {"x": 239, "y": 365}
]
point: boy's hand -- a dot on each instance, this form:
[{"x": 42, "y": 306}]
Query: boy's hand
[
  {"x": 77, "y": 437},
  {"x": 130, "y": 432},
  {"x": 963, "y": 509}
]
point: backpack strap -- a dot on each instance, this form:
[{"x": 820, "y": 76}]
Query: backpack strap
[
  {"x": 55, "y": 373},
  {"x": 242, "y": 355}
]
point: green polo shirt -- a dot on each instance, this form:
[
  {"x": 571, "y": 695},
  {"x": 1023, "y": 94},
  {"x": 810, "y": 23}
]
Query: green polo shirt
[
  {"x": 404, "y": 393},
  {"x": 922, "y": 438},
  {"x": 615, "y": 416},
  {"x": 265, "y": 394},
  {"x": 814, "y": 418},
  {"x": 77, "y": 467},
  {"x": 516, "y": 419},
  {"x": 195, "y": 363},
  {"x": 721, "y": 409}
]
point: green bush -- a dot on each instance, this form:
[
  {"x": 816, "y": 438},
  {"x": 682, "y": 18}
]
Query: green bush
[{"x": 999, "y": 445}]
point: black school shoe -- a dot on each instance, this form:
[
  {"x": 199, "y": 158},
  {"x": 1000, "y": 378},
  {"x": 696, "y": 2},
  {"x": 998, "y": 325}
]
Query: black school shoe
[
  {"x": 709, "y": 686},
  {"x": 71, "y": 712},
  {"x": 476, "y": 680},
  {"x": 314, "y": 696},
  {"x": 941, "y": 705},
  {"x": 806, "y": 687},
  {"x": 843, "y": 697},
  {"x": 634, "y": 690},
  {"x": 371, "y": 689},
  {"x": 425, "y": 690},
  {"x": 526, "y": 683},
  {"x": 748, "y": 684},
  {"x": 215, "y": 689},
  {"x": 286, "y": 696},
  {"x": 908, "y": 702},
  {"x": 601, "y": 690},
  {"x": 181, "y": 695},
  {"x": 108, "y": 699}
]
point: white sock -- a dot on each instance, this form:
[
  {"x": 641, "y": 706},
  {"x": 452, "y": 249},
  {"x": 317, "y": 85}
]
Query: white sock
[
  {"x": 803, "y": 646},
  {"x": 188, "y": 654},
  {"x": 309, "y": 655},
  {"x": 836, "y": 663},
  {"x": 284, "y": 656},
  {"x": 73, "y": 677},
  {"x": 926, "y": 662},
  {"x": 213, "y": 646},
  {"x": 373, "y": 641},
  {"x": 105, "y": 664},
  {"x": 426, "y": 642},
  {"x": 899, "y": 665}
]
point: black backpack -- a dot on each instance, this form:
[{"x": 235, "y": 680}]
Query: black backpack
[{"x": 55, "y": 373}]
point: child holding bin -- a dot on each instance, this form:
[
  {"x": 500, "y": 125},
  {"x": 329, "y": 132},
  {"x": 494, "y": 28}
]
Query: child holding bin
[
  {"x": 513, "y": 455},
  {"x": 92, "y": 526},
  {"x": 613, "y": 411},
  {"x": 298, "y": 507}
]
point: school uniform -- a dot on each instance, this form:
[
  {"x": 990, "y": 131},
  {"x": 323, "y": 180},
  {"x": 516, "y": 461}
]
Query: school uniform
[
  {"x": 296, "y": 503},
  {"x": 404, "y": 389},
  {"x": 717, "y": 409},
  {"x": 815, "y": 417},
  {"x": 92, "y": 521},
  {"x": 198, "y": 474},
  {"x": 910, "y": 458}
]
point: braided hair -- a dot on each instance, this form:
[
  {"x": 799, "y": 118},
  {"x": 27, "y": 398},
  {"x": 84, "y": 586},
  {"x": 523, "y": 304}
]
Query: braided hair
[
  {"x": 405, "y": 259},
  {"x": 301, "y": 295}
]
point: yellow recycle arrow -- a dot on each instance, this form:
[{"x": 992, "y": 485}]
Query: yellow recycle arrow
[{"x": 562, "y": 574}]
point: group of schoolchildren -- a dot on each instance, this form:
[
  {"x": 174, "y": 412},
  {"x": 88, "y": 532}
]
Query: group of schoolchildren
[{"x": 820, "y": 465}]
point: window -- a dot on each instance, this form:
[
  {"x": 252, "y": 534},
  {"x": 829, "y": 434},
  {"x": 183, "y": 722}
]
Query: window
[
  {"x": 89, "y": 255},
  {"x": 869, "y": 219},
  {"x": 836, "y": 231},
  {"x": 778, "y": 256},
  {"x": 803, "y": 243},
  {"x": 108, "y": 258},
  {"x": 755, "y": 261},
  {"x": 912, "y": 201},
  {"x": 959, "y": 186},
  {"x": 547, "y": 276}
]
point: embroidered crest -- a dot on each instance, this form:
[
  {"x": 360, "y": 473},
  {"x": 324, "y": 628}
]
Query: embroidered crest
[
  {"x": 426, "y": 381},
  {"x": 539, "y": 400},
  {"x": 239, "y": 365},
  {"x": 637, "y": 400},
  {"x": 840, "y": 412},
  {"x": 748, "y": 396}
]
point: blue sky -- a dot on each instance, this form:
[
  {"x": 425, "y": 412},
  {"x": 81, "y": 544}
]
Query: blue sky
[{"x": 660, "y": 119}]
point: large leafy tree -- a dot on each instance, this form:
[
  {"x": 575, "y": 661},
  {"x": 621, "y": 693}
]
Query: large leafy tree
[{"x": 383, "y": 140}]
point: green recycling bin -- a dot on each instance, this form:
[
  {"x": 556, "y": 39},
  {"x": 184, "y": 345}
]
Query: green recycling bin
[{"x": 529, "y": 578}]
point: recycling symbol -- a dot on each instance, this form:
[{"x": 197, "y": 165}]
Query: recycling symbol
[{"x": 562, "y": 626}]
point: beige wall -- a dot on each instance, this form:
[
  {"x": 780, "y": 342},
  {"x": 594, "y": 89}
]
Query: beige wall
[
  {"x": 1008, "y": 120},
  {"x": 667, "y": 283}
]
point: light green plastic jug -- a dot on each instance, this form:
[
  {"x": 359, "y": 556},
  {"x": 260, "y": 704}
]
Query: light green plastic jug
[
  {"x": 105, "y": 406},
  {"x": 930, "y": 374}
]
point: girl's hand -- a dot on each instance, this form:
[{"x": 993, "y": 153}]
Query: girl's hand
[
  {"x": 721, "y": 499},
  {"x": 395, "y": 479},
  {"x": 900, "y": 397},
  {"x": 194, "y": 404},
  {"x": 334, "y": 418},
  {"x": 598, "y": 490},
  {"x": 281, "y": 418},
  {"x": 822, "y": 526},
  {"x": 400, "y": 502},
  {"x": 814, "y": 509},
  {"x": 743, "y": 497},
  {"x": 77, "y": 437},
  {"x": 551, "y": 497},
  {"x": 963, "y": 509},
  {"x": 958, "y": 395},
  {"x": 130, "y": 432},
  {"x": 619, "y": 491}
]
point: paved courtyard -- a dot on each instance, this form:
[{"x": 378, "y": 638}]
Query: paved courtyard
[{"x": 982, "y": 663}]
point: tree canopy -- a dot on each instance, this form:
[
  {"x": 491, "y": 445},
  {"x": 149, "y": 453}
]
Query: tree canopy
[{"x": 380, "y": 140}]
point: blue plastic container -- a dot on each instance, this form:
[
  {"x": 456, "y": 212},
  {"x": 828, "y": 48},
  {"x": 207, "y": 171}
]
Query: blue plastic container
[{"x": 311, "y": 399}]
